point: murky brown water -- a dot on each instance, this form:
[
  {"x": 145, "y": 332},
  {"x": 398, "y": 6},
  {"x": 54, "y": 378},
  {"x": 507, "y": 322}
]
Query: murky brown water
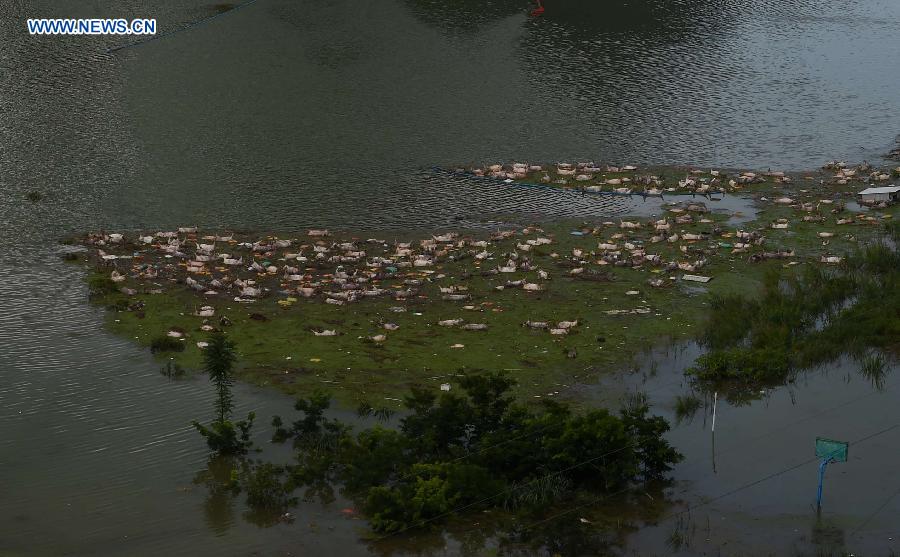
[{"x": 289, "y": 114}]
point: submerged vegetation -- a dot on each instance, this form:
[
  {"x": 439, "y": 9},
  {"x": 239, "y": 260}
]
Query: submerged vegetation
[
  {"x": 873, "y": 367},
  {"x": 686, "y": 406},
  {"x": 807, "y": 318},
  {"x": 462, "y": 453},
  {"x": 463, "y": 450}
]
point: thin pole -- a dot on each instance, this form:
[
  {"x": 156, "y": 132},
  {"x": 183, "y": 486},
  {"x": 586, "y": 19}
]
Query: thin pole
[
  {"x": 715, "y": 403},
  {"x": 822, "y": 466}
]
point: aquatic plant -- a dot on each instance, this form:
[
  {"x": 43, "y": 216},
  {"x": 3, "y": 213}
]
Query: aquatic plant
[
  {"x": 681, "y": 534},
  {"x": 34, "y": 196},
  {"x": 874, "y": 367},
  {"x": 757, "y": 365},
  {"x": 686, "y": 406}
]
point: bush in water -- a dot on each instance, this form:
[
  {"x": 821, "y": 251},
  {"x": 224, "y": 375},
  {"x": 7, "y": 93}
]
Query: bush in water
[{"x": 409, "y": 477}]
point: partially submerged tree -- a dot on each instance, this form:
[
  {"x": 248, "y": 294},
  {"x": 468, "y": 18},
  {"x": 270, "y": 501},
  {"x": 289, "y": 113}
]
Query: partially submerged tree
[
  {"x": 224, "y": 436},
  {"x": 218, "y": 360}
]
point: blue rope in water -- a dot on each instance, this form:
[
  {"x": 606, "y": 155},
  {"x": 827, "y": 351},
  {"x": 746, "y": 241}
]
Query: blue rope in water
[{"x": 175, "y": 31}]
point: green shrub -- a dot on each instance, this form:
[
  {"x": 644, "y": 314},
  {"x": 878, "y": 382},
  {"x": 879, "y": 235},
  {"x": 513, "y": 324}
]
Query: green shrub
[
  {"x": 265, "y": 488},
  {"x": 516, "y": 457},
  {"x": 100, "y": 285},
  {"x": 226, "y": 437}
]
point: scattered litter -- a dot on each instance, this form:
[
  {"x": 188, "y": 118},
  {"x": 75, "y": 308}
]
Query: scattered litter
[{"x": 635, "y": 311}]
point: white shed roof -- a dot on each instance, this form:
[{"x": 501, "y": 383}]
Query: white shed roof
[{"x": 884, "y": 189}]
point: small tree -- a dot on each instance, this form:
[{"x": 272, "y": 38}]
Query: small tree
[
  {"x": 218, "y": 360},
  {"x": 222, "y": 435}
]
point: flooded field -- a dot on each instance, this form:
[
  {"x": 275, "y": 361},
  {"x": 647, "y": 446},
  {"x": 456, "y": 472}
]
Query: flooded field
[{"x": 750, "y": 489}]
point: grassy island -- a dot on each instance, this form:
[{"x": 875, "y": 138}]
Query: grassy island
[{"x": 552, "y": 304}]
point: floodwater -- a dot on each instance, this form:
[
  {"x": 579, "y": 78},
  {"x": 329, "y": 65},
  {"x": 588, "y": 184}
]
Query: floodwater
[
  {"x": 750, "y": 489},
  {"x": 287, "y": 114}
]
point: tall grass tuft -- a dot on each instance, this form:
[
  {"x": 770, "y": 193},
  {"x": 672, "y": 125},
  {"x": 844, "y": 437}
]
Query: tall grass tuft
[
  {"x": 537, "y": 494},
  {"x": 874, "y": 368},
  {"x": 686, "y": 407},
  {"x": 892, "y": 230}
]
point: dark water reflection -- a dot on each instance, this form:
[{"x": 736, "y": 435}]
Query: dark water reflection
[
  {"x": 289, "y": 114},
  {"x": 752, "y": 484}
]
